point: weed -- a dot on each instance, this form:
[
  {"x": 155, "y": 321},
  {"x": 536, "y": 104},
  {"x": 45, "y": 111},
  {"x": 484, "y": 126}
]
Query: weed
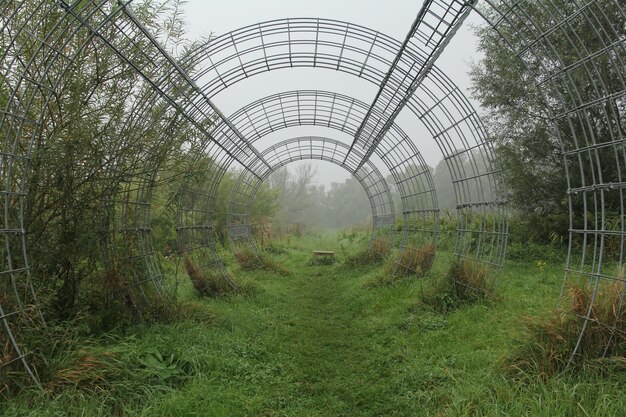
[{"x": 208, "y": 283}]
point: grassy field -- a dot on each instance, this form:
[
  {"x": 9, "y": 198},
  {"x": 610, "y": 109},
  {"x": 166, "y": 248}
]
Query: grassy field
[{"x": 324, "y": 341}]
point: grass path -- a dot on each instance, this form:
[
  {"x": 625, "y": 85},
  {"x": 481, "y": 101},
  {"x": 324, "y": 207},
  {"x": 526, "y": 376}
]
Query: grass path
[{"x": 329, "y": 348}]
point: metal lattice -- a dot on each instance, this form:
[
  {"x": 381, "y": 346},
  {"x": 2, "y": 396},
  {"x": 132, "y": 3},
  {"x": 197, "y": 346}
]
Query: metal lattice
[
  {"x": 396, "y": 150},
  {"x": 438, "y": 103}
]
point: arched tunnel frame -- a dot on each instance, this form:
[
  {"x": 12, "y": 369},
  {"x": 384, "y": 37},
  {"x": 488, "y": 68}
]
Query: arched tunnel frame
[
  {"x": 440, "y": 105},
  {"x": 593, "y": 176},
  {"x": 322, "y": 149}
]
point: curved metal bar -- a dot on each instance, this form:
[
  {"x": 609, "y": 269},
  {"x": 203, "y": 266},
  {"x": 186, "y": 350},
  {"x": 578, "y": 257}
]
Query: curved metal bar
[
  {"x": 571, "y": 55},
  {"x": 315, "y": 148}
]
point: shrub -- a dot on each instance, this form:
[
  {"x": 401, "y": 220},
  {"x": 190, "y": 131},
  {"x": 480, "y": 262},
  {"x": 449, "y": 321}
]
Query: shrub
[
  {"x": 551, "y": 339},
  {"x": 529, "y": 251},
  {"x": 113, "y": 300},
  {"x": 206, "y": 282}
]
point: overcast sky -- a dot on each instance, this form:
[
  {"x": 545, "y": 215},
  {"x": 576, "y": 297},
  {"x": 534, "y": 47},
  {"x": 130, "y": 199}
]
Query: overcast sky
[{"x": 392, "y": 17}]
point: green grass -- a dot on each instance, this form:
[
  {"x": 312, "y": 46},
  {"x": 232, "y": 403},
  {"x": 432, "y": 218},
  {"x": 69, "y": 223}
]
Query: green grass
[{"x": 321, "y": 342}]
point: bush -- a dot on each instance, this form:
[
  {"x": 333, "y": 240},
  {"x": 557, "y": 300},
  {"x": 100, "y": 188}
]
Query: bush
[{"x": 112, "y": 300}]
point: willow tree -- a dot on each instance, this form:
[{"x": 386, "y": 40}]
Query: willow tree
[{"x": 89, "y": 142}]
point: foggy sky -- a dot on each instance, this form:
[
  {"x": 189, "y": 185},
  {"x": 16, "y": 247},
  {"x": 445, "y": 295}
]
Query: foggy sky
[{"x": 393, "y": 18}]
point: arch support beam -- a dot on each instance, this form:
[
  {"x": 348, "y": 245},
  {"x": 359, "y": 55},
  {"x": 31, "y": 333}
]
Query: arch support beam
[{"x": 434, "y": 27}]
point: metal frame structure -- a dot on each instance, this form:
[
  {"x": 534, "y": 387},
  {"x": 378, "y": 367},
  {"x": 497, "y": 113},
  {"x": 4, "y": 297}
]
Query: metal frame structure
[
  {"x": 42, "y": 41},
  {"x": 571, "y": 52},
  {"x": 438, "y": 103}
]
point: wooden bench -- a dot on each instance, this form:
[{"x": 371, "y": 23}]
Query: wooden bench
[{"x": 326, "y": 254}]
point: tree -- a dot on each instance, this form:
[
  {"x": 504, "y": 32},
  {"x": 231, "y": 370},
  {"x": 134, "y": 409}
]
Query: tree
[
  {"x": 301, "y": 201},
  {"x": 346, "y": 205},
  {"x": 518, "y": 121},
  {"x": 296, "y": 194}
]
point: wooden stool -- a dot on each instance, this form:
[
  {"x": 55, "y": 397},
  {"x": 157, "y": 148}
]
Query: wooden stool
[{"x": 327, "y": 254}]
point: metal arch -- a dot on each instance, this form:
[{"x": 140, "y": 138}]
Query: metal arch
[
  {"x": 128, "y": 213},
  {"x": 339, "y": 112},
  {"x": 114, "y": 27},
  {"x": 415, "y": 183},
  {"x": 315, "y": 148},
  {"x": 587, "y": 113},
  {"x": 359, "y": 51},
  {"x": 594, "y": 177},
  {"x": 170, "y": 83}
]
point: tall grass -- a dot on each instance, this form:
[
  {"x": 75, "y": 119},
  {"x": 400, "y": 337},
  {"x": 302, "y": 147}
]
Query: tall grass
[
  {"x": 466, "y": 282},
  {"x": 551, "y": 338},
  {"x": 415, "y": 260},
  {"x": 377, "y": 252},
  {"x": 208, "y": 283},
  {"x": 319, "y": 343},
  {"x": 248, "y": 260}
]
